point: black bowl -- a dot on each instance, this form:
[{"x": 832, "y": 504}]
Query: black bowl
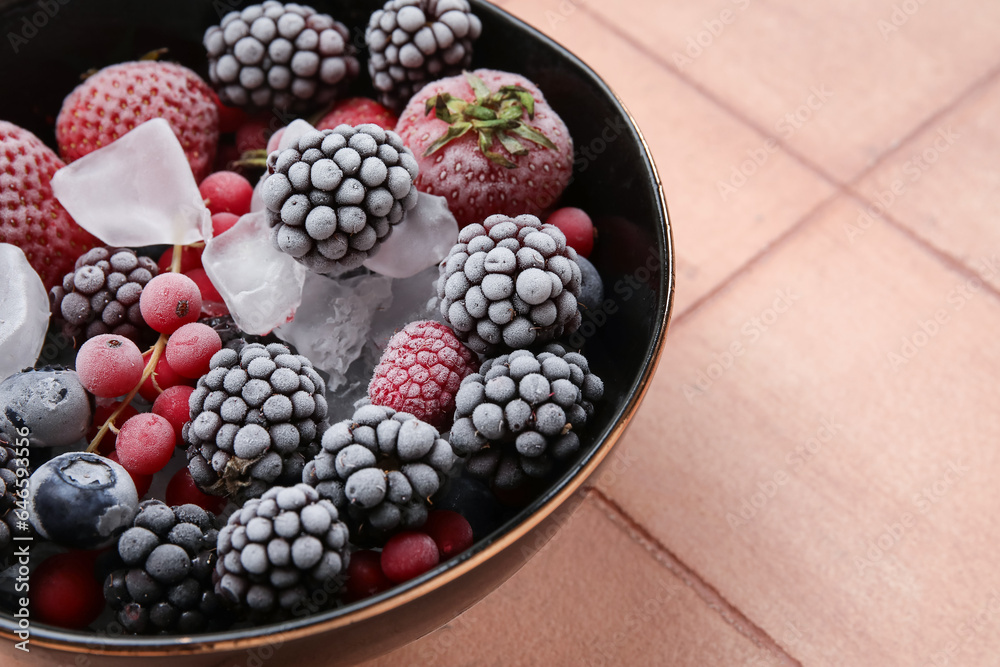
[{"x": 614, "y": 180}]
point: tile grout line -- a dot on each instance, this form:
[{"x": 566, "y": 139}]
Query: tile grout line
[{"x": 705, "y": 591}]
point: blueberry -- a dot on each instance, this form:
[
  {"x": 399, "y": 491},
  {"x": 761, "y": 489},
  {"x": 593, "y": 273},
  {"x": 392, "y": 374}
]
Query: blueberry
[
  {"x": 81, "y": 500},
  {"x": 52, "y": 404}
]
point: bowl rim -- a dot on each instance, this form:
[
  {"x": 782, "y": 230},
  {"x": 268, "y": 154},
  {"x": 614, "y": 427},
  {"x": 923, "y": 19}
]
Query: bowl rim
[{"x": 92, "y": 643}]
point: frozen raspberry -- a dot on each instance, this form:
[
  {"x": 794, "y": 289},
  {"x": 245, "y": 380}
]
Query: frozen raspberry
[
  {"x": 64, "y": 591},
  {"x": 226, "y": 192},
  {"x": 145, "y": 444},
  {"x": 577, "y": 226},
  {"x": 172, "y": 405},
  {"x": 169, "y": 301},
  {"x": 109, "y": 365},
  {"x": 162, "y": 378},
  {"x": 420, "y": 372},
  {"x": 190, "y": 348}
]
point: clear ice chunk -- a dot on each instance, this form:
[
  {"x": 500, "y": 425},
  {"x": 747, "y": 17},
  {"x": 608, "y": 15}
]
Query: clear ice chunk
[
  {"x": 24, "y": 312},
  {"x": 332, "y": 323},
  {"x": 136, "y": 191},
  {"x": 421, "y": 239},
  {"x": 261, "y": 285}
]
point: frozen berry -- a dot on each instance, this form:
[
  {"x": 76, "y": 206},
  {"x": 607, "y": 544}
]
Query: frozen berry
[
  {"x": 450, "y": 531},
  {"x": 364, "y": 575},
  {"x": 142, "y": 482},
  {"x": 576, "y": 225},
  {"x": 181, "y": 490},
  {"x": 420, "y": 371},
  {"x": 407, "y": 555},
  {"x": 190, "y": 349},
  {"x": 190, "y": 259},
  {"x": 145, "y": 443},
  {"x": 172, "y": 405},
  {"x": 81, "y": 500},
  {"x": 252, "y": 135},
  {"x": 226, "y": 192},
  {"x": 64, "y": 591},
  {"x": 230, "y": 118},
  {"x": 162, "y": 378},
  {"x": 358, "y": 111},
  {"x": 223, "y": 222},
  {"x": 51, "y": 403},
  {"x": 104, "y": 410},
  {"x": 109, "y": 365},
  {"x": 169, "y": 301},
  {"x": 275, "y": 140},
  {"x": 212, "y": 304}
]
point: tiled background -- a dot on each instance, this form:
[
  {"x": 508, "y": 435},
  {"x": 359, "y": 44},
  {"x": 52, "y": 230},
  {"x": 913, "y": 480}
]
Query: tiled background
[{"x": 827, "y": 495}]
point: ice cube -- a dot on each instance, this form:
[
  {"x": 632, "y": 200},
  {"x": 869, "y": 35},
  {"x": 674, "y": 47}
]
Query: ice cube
[
  {"x": 332, "y": 324},
  {"x": 421, "y": 239},
  {"x": 261, "y": 285},
  {"x": 24, "y": 312},
  {"x": 410, "y": 302},
  {"x": 136, "y": 191}
]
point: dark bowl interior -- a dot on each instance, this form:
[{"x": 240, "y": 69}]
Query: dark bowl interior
[{"x": 614, "y": 180}]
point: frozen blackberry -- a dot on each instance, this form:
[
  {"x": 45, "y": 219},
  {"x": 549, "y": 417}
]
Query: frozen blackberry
[
  {"x": 13, "y": 520},
  {"x": 414, "y": 42},
  {"x": 381, "y": 467},
  {"x": 522, "y": 413},
  {"x": 164, "y": 584},
  {"x": 280, "y": 547},
  {"x": 510, "y": 282},
  {"x": 280, "y": 56},
  {"x": 101, "y": 295},
  {"x": 334, "y": 197},
  {"x": 256, "y": 417}
]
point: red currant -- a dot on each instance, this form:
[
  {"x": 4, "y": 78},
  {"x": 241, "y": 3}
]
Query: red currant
[
  {"x": 169, "y": 301},
  {"x": 145, "y": 444},
  {"x": 109, "y": 365},
  {"x": 450, "y": 531},
  {"x": 101, "y": 414},
  {"x": 576, "y": 225},
  {"x": 407, "y": 555},
  {"x": 142, "y": 482},
  {"x": 64, "y": 591},
  {"x": 223, "y": 222},
  {"x": 172, "y": 405},
  {"x": 166, "y": 377},
  {"x": 226, "y": 192},
  {"x": 181, "y": 490},
  {"x": 191, "y": 347},
  {"x": 364, "y": 575}
]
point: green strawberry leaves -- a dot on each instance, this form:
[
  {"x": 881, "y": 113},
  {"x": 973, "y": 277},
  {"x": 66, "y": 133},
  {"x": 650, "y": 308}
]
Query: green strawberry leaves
[{"x": 494, "y": 115}]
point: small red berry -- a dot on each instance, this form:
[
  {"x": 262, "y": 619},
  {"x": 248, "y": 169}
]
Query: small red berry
[
  {"x": 142, "y": 482},
  {"x": 212, "y": 304},
  {"x": 172, "y": 405},
  {"x": 450, "y": 531},
  {"x": 222, "y": 223},
  {"x": 190, "y": 349},
  {"x": 407, "y": 555},
  {"x": 109, "y": 365},
  {"x": 190, "y": 259},
  {"x": 230, "y": 118},
  {"x": 65, "y": 592},
  {"x": 577, "y": 226},
  {"x": 226, "y": 192},
  {"x": 169, "y": 301},
  {"x": 182, "y": 490},
  {"x": 166, "y": 377},
  {"x": 104, "y": 410},
  {"x": 145, "y": 444},
  {"x": 253, "y": 134},
  {"x": 356, "y": 111},
  {"x": 364, "y": 576}
]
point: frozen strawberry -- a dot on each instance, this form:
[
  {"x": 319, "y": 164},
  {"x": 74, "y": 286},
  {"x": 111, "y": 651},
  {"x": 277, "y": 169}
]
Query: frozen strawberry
[
  {"x": 489, "y": 143},
  {"x": 118, "y": 98},
  {"x": 358, "y": 111},
  {"x": 30, "y": 217}
]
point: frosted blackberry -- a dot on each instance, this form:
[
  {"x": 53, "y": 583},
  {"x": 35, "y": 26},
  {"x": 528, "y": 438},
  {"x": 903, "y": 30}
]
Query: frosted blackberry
[
  {"x": 256, "y": 418},
  {"x": 280, "y": 56},
  {"x": 510, "y": 282},
  {"x": 414, "y": 42},
  {"x": 11, "y": 525},
  {"x": 522, "y": 413},
  {"x": 164, "y": 582},
  {"x": 279, "y": 548},
  {"x": 334, "y": 197},
  {"x": 101, "y": 294},
  {"x": 381, "y": 467}
]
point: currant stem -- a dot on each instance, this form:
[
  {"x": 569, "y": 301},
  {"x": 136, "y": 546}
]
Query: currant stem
[{"x": 154, "y": 358}]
